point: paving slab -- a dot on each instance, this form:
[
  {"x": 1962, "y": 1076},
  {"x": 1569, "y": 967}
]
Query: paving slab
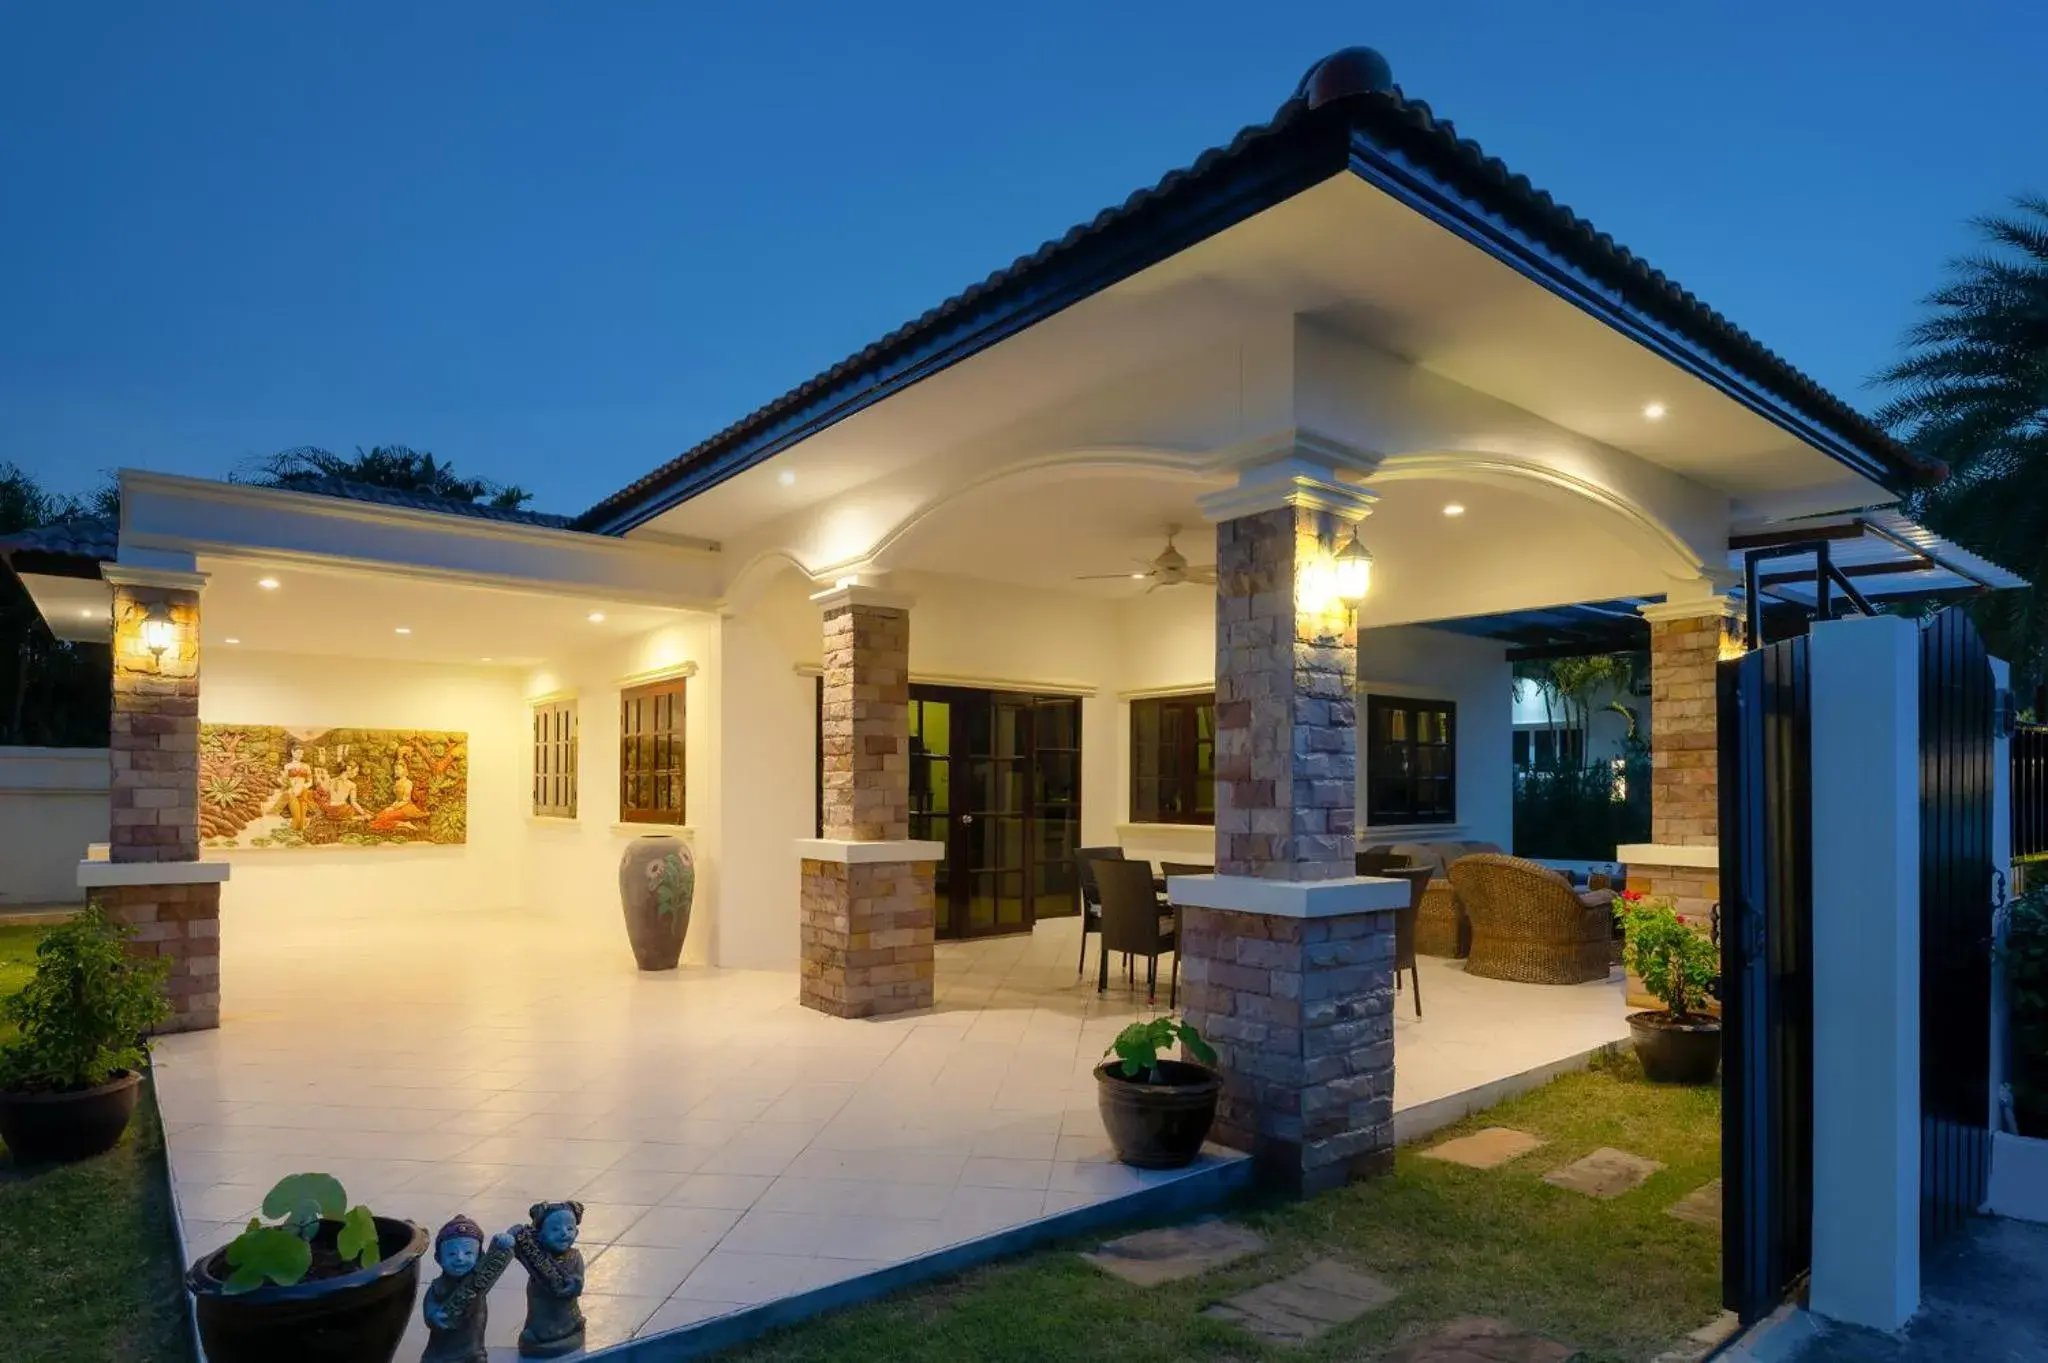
[
  {"x": 1478, "y": 1339},
  {"x": 1701, "y": 1206},
  {"x": 1151, "y": 1257},
  {"x": 1606, "y": 1172},
  {"x": 1488, "y": 1149},
  {"x": 1305, "y": 1304}
]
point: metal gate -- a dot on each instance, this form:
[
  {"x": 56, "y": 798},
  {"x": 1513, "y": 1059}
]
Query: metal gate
[
  {"x": 1958, "y": 699},
  {"x": 1766, "y": 977}
]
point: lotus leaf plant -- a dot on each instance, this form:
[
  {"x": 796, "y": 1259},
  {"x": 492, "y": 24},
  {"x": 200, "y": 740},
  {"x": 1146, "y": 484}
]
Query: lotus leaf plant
[{"x": 282, "y": 1252}]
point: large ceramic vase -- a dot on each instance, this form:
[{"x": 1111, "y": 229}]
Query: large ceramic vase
[
  {"x": 1157, "y": 1126},
  {"x": 657, "y": 880},
  {"x": 61, "y": 1127}
]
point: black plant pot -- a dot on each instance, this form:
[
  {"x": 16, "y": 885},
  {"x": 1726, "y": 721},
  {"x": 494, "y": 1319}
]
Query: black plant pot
[
  {"x": 1675, "y": 1052},
  {"x": 355, "y": 1317},
  {"x": 56, "y": 1128},
  {"x": 1157, "y": 1126}
]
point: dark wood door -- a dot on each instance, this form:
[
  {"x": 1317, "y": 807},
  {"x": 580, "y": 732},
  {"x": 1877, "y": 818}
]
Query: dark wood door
[{"x": 995, "y": 776}]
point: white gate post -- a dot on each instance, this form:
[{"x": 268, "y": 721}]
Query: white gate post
[{"x": 1866, "y": 970}]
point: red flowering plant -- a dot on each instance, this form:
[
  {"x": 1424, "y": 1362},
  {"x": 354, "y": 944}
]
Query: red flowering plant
[{"x": 1676, "y": 962}]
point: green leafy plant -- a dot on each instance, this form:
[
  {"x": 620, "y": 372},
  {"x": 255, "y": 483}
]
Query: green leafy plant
[
  {"x": 282, "y": 1253},
  {"x": 1139, "y": 1045},
  {"x": 1676, "y": 961},
  {"x": 83, "y": 1014},
  {"x": 2024, "y": 956}
]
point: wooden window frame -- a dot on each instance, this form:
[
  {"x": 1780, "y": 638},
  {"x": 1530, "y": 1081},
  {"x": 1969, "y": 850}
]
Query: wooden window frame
[
  {"x": 1378, "y": 813},
  {"x": 555, "y": 750},
  {"x": 1185, "y": 801},
  {"x": 644, "y": 718}
]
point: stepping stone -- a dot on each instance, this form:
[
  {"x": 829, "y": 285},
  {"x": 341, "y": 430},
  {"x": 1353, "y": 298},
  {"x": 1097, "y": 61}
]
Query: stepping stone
[
  {"x": 1475, "y": 1339},
  {"x": 1151, "y": 1257},
  {"x": 1303, "y": 1305},
  {"x": 1488, "y": 1149},
  {"x": 1701, "y": 1206},
  {"x": 1604, "y": 1173}
]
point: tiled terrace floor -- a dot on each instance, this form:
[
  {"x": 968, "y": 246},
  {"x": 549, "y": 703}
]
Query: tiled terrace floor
[{"x": 730, "y": 1147}]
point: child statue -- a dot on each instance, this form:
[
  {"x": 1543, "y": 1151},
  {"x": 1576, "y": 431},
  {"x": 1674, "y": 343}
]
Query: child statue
[
  {"x": 456, "y": 1303},
  {"x": 554, "y": 1279}
]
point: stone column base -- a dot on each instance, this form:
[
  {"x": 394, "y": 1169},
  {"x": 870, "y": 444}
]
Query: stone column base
[
  {"x": 1300, "y": 1008},
  {"x": 182, "y": 924},
  {"x": 867, "y": 937}
]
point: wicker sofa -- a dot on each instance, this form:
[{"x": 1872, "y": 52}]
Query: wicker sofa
[
  {"x": 1529, "y": 924},
  {"x": 1441, "y": 926}
]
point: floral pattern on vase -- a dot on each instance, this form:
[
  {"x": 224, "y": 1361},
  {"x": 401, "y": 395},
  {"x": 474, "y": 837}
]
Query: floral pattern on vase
[{"x": 657, "y": 881}]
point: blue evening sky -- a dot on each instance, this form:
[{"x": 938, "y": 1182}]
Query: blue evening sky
[{"x": 559, "y": 243}]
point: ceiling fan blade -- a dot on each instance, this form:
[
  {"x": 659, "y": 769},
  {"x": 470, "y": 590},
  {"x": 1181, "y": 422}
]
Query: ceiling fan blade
[{"x": 1201, "y": 575}]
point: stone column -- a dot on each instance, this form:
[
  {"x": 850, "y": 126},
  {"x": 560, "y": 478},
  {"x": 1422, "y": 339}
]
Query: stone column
[
  {"x": 1288, "y": 956},
  {"x": 1689, "y": 635},
  {"x": 152, "y": 878},
  {"x": 867, "y": 903}
]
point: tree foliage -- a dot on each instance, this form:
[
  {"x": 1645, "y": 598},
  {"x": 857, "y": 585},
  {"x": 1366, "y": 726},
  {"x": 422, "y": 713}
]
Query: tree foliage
[
  {"x": 1973, "y": 392},
  {"x": 52, "y": 693},
  {"x": 399, "y": 467}
]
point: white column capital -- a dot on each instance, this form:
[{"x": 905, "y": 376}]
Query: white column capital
[
  {"x": 1710, "y": 607},
  {"x": 861, "y": 594},
  {"x": 1292, "y": 481},
  {"x": 132, "y": 575}
]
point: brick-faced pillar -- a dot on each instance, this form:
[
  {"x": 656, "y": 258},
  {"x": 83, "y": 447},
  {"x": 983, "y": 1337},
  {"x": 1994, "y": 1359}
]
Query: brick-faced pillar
[
  {"x": 1689, "y": 635},
  {"x": 867, "y": 903},
  {"x": 153, "y": 878},
  {"x": 1286, "y": 677},
  {"x": 1287, "y": 954}
]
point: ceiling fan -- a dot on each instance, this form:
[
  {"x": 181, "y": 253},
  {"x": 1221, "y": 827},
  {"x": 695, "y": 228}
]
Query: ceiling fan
[{"x": 1169, "y": 569}]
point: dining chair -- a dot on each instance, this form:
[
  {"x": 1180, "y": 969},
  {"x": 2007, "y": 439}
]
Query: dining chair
[
  {"x": 1091, "y": 897},
  {"x": 1404, "y": 925},
  {"x": 1131, "y": 923}
]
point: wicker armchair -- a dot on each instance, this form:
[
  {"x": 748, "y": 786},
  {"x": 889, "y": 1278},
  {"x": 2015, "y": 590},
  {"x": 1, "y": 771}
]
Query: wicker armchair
[
  {"x": 1441, "y": 927},
  {"x": 1529, "y": 924}
]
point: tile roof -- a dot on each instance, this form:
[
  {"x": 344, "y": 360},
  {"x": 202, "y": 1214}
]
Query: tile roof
[
  {"x": 1336, "y": 99},
  {"x": 67, "y": 549}
]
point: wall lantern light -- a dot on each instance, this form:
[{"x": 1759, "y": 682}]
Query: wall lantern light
[
  {"x": 159, "y": 632},
  {"x": 1353, "y": 571}
]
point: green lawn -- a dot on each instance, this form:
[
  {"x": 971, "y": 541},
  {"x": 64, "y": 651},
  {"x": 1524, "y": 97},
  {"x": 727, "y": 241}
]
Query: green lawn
[
  {"x": 88, "y": 1265},
  {"x": 1619, "y": 1279}
]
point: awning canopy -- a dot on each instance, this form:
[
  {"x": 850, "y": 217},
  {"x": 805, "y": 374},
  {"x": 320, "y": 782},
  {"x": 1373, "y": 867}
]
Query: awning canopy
[{"x": 1884, "y": 555}]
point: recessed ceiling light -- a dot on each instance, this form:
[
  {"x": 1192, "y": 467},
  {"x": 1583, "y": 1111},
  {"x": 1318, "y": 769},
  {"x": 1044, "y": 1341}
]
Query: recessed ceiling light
[
  {"x": 1137, "y": 577},
  {"x": 483, "y": 660},
  {"x": 401, "y": 630},
  {"x": 1654, "y": 411},
  {"x": 1454, "y": 508},
  {"x": 787, "y": 477},
  {"x": 231, "y": 639},
  {"x": 268, "y": 584},
  {"x": 87, "y": 614},
  {"x": 596, "y": 617}
]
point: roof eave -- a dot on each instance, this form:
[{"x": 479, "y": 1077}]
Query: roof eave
[{"x": 1273, "y": 164}]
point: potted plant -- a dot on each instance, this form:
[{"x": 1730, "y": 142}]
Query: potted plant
[
  {"x": 1157, "y": 1111},
  {"x": 2024, "y": 958},
  {"x": 325, "y": 1283},
  {"x": 1681, "y": 968},
  {"x": 69, "y": 1081}
]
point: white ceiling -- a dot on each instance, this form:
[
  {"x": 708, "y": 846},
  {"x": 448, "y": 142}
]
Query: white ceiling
[
  {"x": 1347, "y": 254},
  {"x": 1513, "y": 547},
  {"x": 348, "y": 613}
]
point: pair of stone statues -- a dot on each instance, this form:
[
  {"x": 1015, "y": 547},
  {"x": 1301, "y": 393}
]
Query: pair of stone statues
[{"x": 456, "y": 1306}]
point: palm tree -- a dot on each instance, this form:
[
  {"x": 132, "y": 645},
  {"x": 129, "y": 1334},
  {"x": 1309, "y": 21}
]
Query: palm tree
[
  {"x": 1973, "y": 392},
  {"x": 388, "y": 466}
]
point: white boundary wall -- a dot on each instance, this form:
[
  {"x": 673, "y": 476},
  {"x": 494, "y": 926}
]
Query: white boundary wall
[{"x": 53, "y": 805}]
